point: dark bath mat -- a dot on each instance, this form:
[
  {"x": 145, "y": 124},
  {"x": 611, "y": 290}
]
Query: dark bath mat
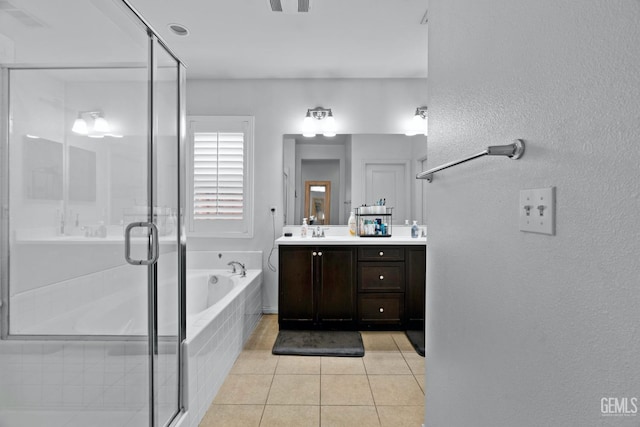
[
  {"x": 417, "y": 340},
  {"x": 319, "y": 343}
]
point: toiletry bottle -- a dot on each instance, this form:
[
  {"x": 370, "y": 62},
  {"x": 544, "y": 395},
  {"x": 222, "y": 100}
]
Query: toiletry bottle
[
  {"x": 352, "y": 224},
  {"x": 305, "y": 228},
  {"x": 414, "y": 230}
]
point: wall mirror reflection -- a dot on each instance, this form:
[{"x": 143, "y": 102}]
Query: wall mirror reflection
[
  {"x": 82, "y": 175},
  {"x": 359, "y": 169},
  {"x": 43, "y": 162}
]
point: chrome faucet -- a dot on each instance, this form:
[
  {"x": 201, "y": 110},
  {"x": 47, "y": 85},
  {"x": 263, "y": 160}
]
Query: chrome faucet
[
  {"x": 318, "y": 232},
  {"x": 243, "y": 270}
]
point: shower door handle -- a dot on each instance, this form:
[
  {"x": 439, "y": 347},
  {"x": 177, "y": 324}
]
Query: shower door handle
[{"x": 154, "y": 243}]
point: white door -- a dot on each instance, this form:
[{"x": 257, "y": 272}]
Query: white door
[{"x": 389, "y": 181}]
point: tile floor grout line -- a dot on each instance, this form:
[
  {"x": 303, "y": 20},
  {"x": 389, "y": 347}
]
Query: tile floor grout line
[
  {"x": 264, "y": 408},
  {"x": 375, "y": 405}
]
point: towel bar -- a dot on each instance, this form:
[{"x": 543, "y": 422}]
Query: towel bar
[{"x": 513, "y": 151}]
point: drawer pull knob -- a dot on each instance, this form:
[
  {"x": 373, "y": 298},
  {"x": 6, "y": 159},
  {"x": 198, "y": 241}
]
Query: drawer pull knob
[
  {"x": 315, "y": 253},
  {"x": 381, "y": 253},
  {"x": 381, "y": 310},
  {"x": 381, "y": 277},
  {"x": 319, "y": 253}
]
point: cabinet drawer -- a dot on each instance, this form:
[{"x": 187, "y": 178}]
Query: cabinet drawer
[
  {"x": 381, "y": 276},
  {"x": 381, "y": 253},
  {"x": 381, "y": 309}
]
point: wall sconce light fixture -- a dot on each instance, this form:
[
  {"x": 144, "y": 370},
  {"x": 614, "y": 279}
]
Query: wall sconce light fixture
[
  {"x": 418, "y": 123},
  {"x": 97, "y": 127},
  {"x": 319, "y": 120},
  {"x": 289, "y": 6}
]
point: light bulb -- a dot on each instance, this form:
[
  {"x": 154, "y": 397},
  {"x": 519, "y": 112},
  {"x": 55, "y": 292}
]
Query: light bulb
[
  {"x": 101, "y": 125},
  {"x": 329, "y": 125},
  {"x": 417, "y": 125},
  {"x": 307, "y": 126},
  {"x": 80, "y": 126}
]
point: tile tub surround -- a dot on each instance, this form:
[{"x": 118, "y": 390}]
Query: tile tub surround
[
  {"x": 383, "y": 388},
  {"x": 212, "y": 352}
]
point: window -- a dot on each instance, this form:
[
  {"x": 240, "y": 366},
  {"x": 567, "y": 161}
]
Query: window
[{"x": 220, "y": 176}]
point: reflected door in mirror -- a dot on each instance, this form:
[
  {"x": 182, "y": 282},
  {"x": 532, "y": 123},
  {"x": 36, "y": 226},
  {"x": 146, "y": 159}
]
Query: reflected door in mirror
[{"x": 317, "y": 202}]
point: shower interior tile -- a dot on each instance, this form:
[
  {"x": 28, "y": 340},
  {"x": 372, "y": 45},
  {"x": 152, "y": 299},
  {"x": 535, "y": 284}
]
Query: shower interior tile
[
  {"x": 115, "y": 395},
  {"x": 136, "y": 395},
  {"x": 71, "y": 394},
  {"x": 52, "y": 394},
  {"x": 32, "y": 376},
  {"x": 52, "y": 375},
  {"x": 91, "y": 394}
]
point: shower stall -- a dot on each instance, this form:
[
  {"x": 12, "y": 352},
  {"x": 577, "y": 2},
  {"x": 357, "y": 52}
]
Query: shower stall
[{"x": 92, "y": 248}]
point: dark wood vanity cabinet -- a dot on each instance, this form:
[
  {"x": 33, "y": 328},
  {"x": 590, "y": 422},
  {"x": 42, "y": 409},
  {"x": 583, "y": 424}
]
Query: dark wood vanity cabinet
[
  {"x": 317, "y": 287},
  {"x": 416, "y": 277},
  {"x": 362, "y": 287}
]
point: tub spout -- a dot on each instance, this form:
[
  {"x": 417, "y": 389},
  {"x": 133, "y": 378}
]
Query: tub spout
[{"x": 243, "y": 270}]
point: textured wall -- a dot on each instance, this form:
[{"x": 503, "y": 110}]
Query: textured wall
[{"x": 526, "y": 329}]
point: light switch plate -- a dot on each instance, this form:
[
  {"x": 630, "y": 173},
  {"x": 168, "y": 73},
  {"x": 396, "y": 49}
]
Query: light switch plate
[{"x": 537, "y": 210}]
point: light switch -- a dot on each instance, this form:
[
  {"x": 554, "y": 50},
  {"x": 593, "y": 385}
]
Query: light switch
[{"x": 537, "y": 210}]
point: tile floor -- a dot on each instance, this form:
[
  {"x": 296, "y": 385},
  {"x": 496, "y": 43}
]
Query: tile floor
[{"x": 384, "y": 388}]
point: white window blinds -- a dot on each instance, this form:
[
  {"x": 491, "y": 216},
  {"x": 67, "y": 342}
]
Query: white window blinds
[
  {"x": 220, "y": 176},
  {"x": 218, "y": 180}
]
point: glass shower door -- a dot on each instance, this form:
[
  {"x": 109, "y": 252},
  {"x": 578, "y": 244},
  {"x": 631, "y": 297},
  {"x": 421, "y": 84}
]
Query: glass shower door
[
  {"x": 166, "y": 190},
  {"x": 92, "y": 147}
]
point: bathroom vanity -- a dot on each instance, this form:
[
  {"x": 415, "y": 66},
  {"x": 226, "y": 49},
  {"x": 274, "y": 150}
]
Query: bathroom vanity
[{"x": 352, "y": 283}]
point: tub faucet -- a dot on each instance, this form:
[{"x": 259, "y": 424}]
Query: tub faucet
[{"x": 243, "y": 270}]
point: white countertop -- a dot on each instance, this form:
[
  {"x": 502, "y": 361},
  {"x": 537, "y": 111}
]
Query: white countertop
[{"x": 351, "y": 240}]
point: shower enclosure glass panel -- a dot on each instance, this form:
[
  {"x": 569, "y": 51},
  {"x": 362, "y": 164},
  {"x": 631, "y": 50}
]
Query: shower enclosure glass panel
[
  {"x": 89, "y": 144},
  {"x": 166, "y": 190}
]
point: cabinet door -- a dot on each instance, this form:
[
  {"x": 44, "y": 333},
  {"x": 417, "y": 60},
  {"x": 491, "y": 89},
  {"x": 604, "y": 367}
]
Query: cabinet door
[
  {"x": 295, "y": 283},
  {"x": 336, "y": 277},
  {"x": 416, "y": 265}
]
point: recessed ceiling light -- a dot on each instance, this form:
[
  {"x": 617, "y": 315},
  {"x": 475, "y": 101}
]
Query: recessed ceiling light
[{"x": 178, "y": 29}]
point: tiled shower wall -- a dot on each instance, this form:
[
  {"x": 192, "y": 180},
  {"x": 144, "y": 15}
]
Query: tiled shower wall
[{"x": 90, "y": 374}]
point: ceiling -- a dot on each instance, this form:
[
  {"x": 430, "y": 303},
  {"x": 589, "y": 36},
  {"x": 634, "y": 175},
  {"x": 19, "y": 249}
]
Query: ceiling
[{"x": 335, "y": 39}]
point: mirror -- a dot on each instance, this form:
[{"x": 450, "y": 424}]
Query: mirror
[
  {"x": 42, "y": 169},
  {"x": 82, "y": 175},
  {"x": 360, "y": 169},
  {"x": 317, "y": 202}
]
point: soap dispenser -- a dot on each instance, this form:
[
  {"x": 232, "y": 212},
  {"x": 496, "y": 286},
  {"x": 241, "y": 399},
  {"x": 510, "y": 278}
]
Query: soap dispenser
[
  {"x": 305, "y": 228},
  {"x": 352, "y": 224},
  {"x": 414, "y": 230}
]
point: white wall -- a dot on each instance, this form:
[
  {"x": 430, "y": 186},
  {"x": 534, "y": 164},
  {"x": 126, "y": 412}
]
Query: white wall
[
  {"x": 359, "y": 106},
  {"x": 528, "y": 329}
]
